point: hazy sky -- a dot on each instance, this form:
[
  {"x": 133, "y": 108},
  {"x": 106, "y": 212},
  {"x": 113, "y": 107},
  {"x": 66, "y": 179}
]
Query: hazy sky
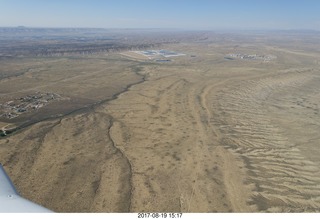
[{"x": 185, "y": 14}]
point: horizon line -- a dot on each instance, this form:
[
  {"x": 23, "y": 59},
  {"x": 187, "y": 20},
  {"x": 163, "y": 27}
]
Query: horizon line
[{"x": 166, "y": 28}]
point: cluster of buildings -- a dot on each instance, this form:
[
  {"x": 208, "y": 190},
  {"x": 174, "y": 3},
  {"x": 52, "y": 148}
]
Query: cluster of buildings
[
  {"x": 159, "y": 53},
  {"x": 264, "y": 58},
  {"x": 15, "y": 108}
]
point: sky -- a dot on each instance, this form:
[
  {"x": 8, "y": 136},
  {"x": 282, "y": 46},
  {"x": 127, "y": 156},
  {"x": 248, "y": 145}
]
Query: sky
[{"x": 177, "y": 14}]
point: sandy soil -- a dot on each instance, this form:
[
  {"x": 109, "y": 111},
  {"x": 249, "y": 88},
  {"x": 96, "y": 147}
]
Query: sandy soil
[{"x": 200, "y": 134}]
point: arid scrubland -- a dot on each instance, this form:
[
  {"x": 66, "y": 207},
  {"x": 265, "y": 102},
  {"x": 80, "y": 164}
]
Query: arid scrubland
[{"x": 200, "y": 133}]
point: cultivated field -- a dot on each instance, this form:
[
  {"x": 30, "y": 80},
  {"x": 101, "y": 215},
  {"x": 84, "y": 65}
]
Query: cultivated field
[{"x": 201, "y": 133}]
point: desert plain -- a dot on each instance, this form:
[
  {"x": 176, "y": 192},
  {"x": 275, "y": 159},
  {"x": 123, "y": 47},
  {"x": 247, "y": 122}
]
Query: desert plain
[{"x": 232, "y": 125}]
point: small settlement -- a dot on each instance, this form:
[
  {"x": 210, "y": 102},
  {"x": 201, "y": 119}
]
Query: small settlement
[
  {"x": 14, "y": 108},
  {"x": 265, "y": 58}
]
